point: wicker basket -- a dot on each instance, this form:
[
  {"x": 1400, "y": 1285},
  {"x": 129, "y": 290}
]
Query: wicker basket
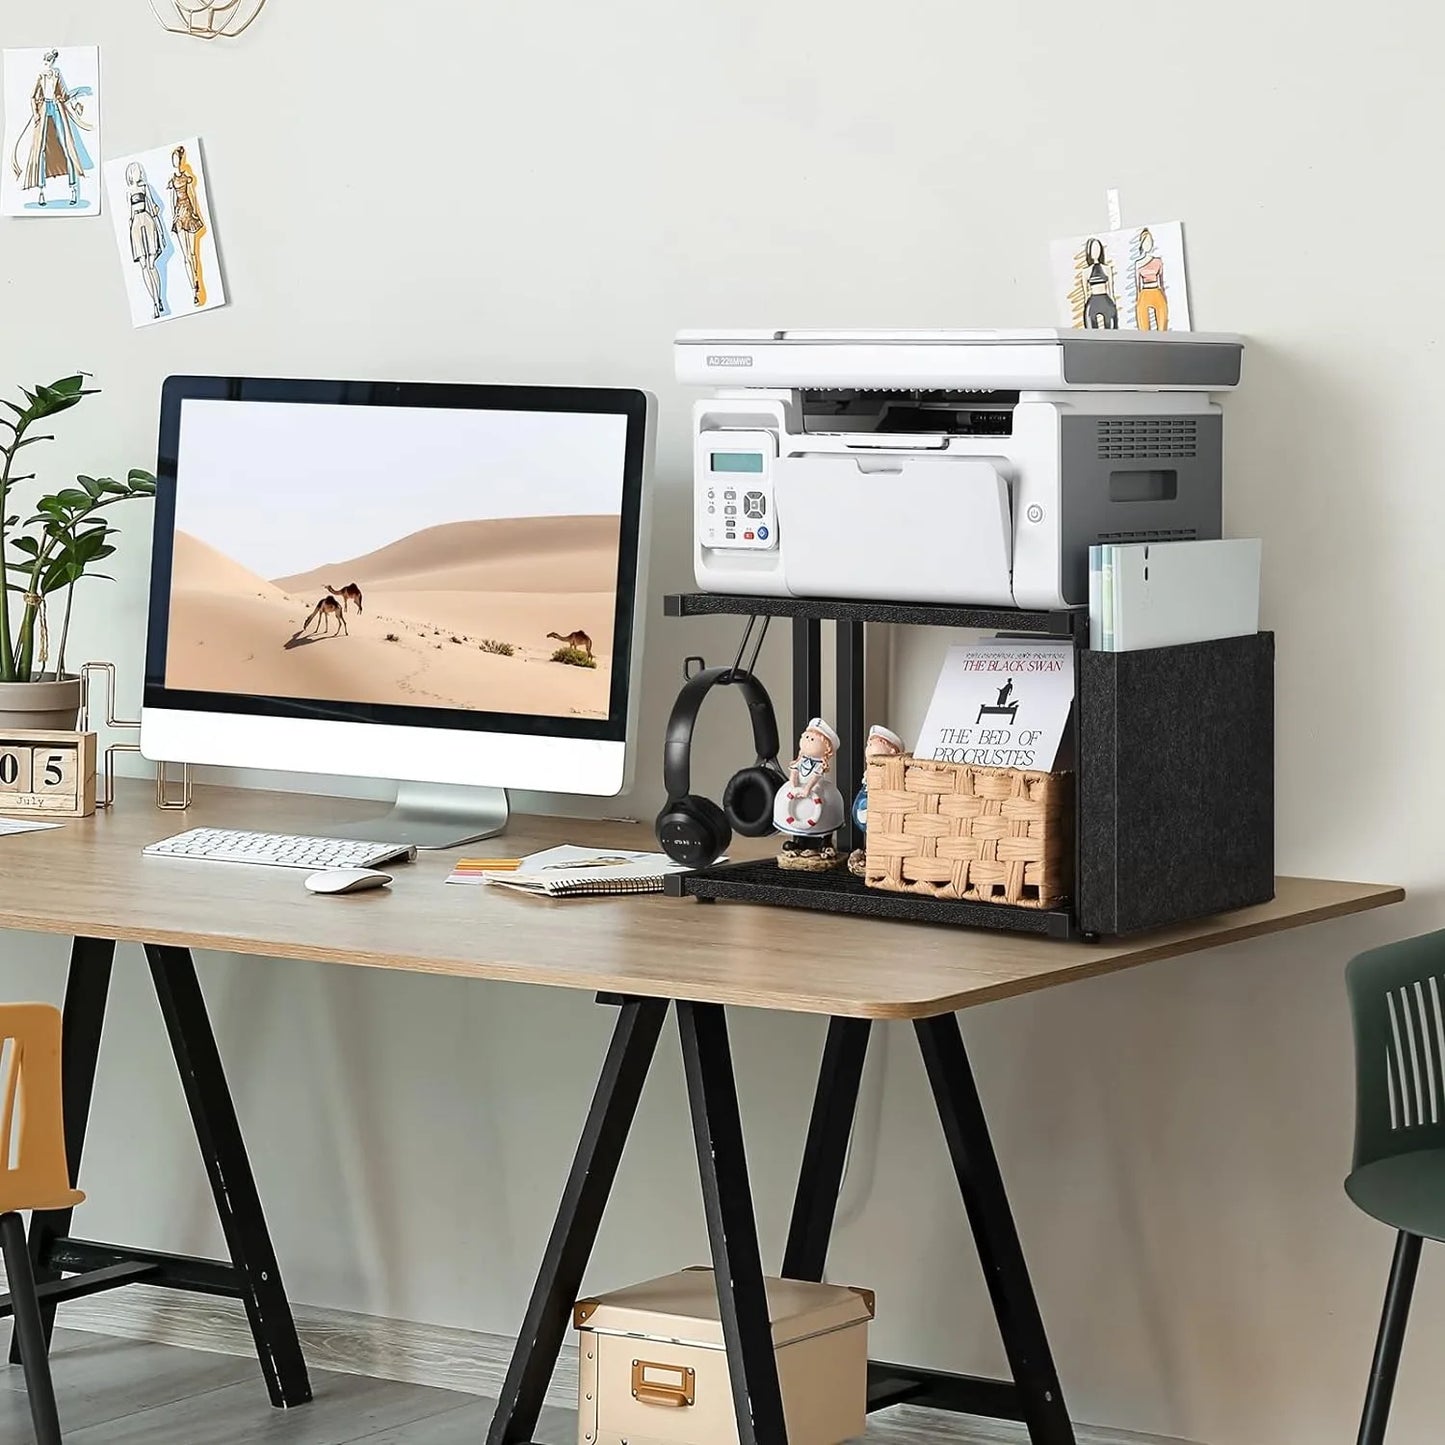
[{"x": 951, "y": 830}]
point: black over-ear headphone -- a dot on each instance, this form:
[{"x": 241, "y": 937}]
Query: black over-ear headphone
[{"x": 693, "y": 830}]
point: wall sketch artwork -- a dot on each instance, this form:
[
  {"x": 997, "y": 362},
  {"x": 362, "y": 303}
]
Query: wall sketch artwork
[
  {"x": 51, "y": 165},
  {"x": 1130, "y": 280},
  {"x": 206, "y": 19},
  {"x": 160, "y": 209}
]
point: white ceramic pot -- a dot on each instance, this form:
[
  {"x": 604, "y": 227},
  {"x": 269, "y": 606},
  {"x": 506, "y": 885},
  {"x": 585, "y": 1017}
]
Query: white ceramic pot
[{"x": 50, "y": 704}]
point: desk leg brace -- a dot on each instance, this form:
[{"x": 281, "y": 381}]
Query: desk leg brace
[
  {"x": 1034, "y": 1395},
  {"x": 579, "y": 1217},
  {"x": 731, "y": 1224},
  {"x": 223, "y": 1150}
]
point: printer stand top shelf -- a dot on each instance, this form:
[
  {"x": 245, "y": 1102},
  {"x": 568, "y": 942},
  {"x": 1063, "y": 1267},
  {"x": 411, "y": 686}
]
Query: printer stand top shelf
[{"x": 1072, "y": 622}]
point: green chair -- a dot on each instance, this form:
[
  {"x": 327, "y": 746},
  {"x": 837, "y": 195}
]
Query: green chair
[{"x": 1397, "y": 999}]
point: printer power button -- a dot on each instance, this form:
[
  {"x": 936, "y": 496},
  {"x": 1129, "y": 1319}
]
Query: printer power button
[{"x": 1035, "y": 513}]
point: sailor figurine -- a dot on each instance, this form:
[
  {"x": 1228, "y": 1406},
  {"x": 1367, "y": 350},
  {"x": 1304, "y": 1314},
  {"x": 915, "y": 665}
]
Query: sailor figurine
[
  {"x": 809, "y": 807},
  {"x": 882, "y": 743}
]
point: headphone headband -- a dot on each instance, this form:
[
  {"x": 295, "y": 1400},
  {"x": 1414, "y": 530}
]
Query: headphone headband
[{"x": 677, "y": 747}]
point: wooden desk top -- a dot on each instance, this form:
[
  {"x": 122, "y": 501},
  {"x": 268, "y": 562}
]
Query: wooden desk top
[{"x": 90, "y": 878}]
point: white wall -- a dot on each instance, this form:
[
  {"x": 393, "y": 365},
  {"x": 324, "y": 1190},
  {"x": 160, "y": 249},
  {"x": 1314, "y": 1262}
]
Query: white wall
[{"x": 544, "y": 193}]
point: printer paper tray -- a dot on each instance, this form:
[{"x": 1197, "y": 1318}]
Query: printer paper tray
[{"x": 910, "y": 528}]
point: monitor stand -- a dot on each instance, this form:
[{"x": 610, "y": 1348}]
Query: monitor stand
[{"x": 433, "y": 815}]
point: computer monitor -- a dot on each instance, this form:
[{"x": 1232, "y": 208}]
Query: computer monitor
[{"x": 431, "y": 583}]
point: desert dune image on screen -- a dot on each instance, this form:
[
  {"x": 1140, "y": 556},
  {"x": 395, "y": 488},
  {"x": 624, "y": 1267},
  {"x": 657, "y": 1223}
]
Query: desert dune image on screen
[{"x": 422, "y": 557}]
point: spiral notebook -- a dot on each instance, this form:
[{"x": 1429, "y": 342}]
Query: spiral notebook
[{"x": 569, "y": 872}]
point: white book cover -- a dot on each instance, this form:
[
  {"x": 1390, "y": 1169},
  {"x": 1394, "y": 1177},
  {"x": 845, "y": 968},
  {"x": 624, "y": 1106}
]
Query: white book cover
[
  {"x": 1000, "y": 703},
  {"x": 1170, "y": 593}
]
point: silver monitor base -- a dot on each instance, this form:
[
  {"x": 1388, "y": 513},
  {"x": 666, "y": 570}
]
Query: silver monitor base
[{"x": 433, "y": 815}]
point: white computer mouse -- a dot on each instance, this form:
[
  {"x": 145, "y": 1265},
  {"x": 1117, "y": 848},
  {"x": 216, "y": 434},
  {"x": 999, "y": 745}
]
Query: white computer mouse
[{"x": 347, "y": 880}]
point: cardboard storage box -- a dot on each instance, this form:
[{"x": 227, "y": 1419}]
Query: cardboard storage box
[{"x": 653, "y": 1367}]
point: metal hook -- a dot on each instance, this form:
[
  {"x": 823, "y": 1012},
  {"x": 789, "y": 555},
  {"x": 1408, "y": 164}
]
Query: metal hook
[{"x": 737, "y": 668}]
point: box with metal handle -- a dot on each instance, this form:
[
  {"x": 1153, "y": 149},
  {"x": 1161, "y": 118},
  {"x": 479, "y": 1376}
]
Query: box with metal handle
[{"x": 654, "y": 1370}]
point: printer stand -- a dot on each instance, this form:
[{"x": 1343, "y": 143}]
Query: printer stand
[{"x": 1174, "y": 764}]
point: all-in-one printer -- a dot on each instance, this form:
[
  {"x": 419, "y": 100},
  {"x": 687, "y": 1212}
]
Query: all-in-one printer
[{"x": 971, "y": 467}]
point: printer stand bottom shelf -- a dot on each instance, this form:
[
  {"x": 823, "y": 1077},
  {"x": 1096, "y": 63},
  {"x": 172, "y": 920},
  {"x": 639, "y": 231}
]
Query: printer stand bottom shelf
[{"x": 762, "y": 881}]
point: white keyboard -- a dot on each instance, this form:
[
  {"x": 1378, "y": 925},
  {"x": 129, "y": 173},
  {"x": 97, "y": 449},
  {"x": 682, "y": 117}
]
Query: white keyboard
[{"x": 279, "y": 850}]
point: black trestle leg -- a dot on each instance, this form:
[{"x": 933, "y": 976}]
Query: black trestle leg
[
  {"x": 599, "y": 1152},
  {"x": 1392, "y": 1337},
  {"x": 86, "y": 990},
  {"x": 223, "y": 1149},
  {"x": 731, "y": 1225},
  {"x": 826, "y": 1153},
  {"x": 29, "y": 1330},
  {"x": 986, "y": 1201}
]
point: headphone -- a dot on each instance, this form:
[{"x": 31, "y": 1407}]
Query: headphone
[{"x": 693, "y": 830}]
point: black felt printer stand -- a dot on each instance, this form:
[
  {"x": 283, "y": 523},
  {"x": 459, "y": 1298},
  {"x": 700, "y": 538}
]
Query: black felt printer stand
[{"x": 1176, "y": 782}]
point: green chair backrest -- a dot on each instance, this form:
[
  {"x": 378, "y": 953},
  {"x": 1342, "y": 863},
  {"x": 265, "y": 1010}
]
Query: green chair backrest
[{"x": 1397, "y": 1000}]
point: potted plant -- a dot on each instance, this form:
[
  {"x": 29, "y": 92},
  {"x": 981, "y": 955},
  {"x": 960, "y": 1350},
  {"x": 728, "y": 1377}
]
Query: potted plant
[{"x": 42, "y": 557}]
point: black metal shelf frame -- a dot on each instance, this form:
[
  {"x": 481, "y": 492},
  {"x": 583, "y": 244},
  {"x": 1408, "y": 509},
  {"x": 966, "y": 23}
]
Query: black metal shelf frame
[{"x": 841, "y": 892}]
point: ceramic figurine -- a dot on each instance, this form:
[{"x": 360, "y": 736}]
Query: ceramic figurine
[
  {"x": 882, "y": 743},
  {"x": 809, "y": 807}
]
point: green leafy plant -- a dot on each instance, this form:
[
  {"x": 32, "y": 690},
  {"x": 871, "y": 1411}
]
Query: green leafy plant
[
  {"x": 574, "y": 657},
  {"x": 60, "y": 543},
  {"x": 502, "y": 649}
]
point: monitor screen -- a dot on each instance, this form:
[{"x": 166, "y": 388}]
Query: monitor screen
[{"x": 430, "y": 554}]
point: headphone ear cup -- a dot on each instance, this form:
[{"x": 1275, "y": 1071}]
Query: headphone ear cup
[
  {"x": 748, "y": 799},
  {"x": 693, "y": 831}
]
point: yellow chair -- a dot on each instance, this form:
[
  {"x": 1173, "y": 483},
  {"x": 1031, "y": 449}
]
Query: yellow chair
[{"x": 33, "y": 1175}]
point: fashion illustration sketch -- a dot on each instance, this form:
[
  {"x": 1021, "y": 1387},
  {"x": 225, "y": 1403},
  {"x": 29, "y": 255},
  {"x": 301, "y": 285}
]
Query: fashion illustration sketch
[
  {"x": 147, "y": 242},
  {"x": 1130, "y": 280},
  {"x": 52, "y": 132},
  {"x": 1096, "y": 276},
  {"x": 1151, "y": 306},
  {"x": 160, "y": 208},
  {"x": 188, "y": 225}
]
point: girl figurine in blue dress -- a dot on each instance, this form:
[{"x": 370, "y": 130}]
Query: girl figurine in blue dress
[
  {"x": 808, "y": 807},
  {"x": 882, "y": 743}
]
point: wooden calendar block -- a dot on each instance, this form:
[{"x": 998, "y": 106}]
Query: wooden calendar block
[
  {"x": 15, "y": 767},
  {"x": 47, "y": 774}
]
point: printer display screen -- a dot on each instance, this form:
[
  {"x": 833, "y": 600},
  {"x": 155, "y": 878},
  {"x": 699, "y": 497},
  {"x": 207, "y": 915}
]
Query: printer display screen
[{"x": 737, "y": 462}]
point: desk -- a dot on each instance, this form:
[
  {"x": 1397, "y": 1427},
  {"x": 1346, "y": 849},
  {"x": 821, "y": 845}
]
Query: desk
[{"x": 643, "y": 956}]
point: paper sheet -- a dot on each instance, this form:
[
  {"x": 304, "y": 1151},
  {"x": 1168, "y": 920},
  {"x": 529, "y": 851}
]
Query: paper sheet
[
  {"x": 161, "y": 210},
  {"x": 1129, "y": 280},
  {"x": 23, "y": 825},
  {"x": 51, "y": 165}
]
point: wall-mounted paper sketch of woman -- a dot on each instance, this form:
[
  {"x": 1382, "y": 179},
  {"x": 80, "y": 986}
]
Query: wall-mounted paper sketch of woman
[
  {"x": 146, "y": 239},
  {"x": 1101, "y": 311},
  {"x": 188, "y": 225},
  {"x": 1151, "y": 305},
  {"x": 56, "y": 147}
]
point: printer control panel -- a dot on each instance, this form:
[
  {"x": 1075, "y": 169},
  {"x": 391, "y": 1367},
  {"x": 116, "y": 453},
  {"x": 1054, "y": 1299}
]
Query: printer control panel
[{"x": 734, "y": 491}]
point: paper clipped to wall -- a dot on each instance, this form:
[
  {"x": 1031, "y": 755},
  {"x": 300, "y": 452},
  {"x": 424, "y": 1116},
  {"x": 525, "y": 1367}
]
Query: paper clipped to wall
[
  {"x": 1000, "y": 703},
  {"x": 160, "y": 207},
  {"x": 1129, "y": 280},
  {"x": 51, "y": 166}
]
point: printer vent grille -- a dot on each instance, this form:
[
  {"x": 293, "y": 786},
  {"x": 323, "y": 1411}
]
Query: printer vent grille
[
  {"x": 1147, "y": 438},
  {"x": 1165, "y": 534}
]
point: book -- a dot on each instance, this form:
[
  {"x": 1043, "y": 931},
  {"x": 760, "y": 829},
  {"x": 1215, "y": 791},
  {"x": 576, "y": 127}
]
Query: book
[
  {"x": 1001, "y": 703},
  {"x": 567, "y": 871}
]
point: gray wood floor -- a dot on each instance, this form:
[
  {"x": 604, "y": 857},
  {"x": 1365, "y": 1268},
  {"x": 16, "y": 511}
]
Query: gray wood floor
[
  {"x": 128, "y": 1392},
  {"x": 115, "y": 1391}
]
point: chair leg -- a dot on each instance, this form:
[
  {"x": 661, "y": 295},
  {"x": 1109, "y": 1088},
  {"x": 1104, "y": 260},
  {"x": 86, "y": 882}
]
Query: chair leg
[
  {"x": 1392, "y": 1337},
  {"x": 29, "y": 1330}
]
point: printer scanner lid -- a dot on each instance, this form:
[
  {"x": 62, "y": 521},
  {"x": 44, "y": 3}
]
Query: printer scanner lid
[{"x": 1037, "y": 359}]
